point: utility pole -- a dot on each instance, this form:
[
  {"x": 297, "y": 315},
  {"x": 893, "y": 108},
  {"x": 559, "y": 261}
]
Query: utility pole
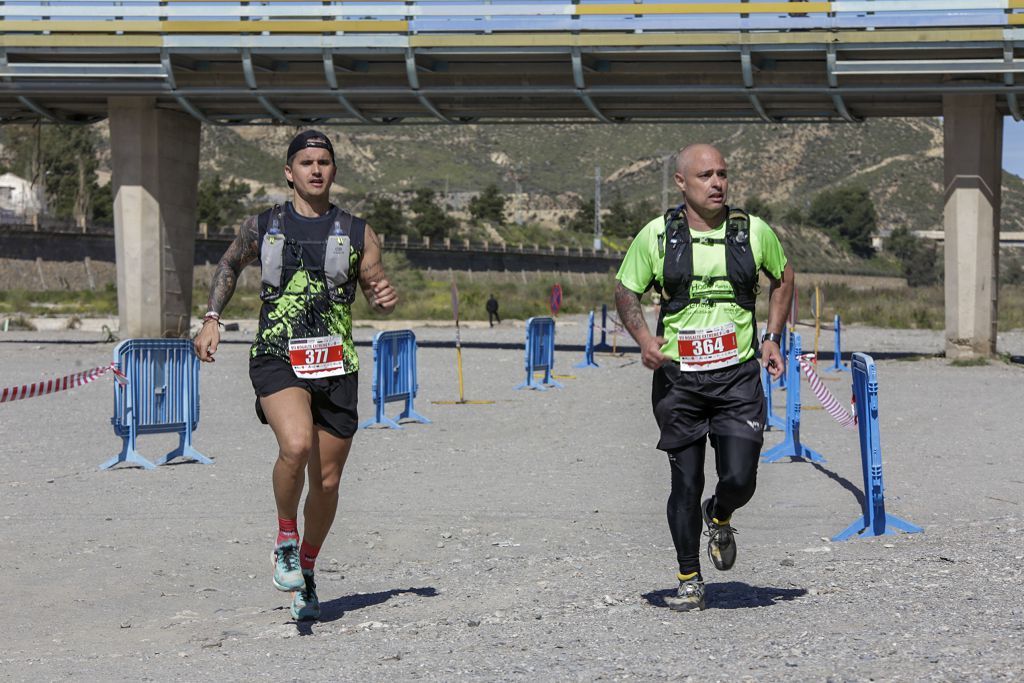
[
  {"x": 664, "y": 180},
  {"x": 597, "y": 208}
]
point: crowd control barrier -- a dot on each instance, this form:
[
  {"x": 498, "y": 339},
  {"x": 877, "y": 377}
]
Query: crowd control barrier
[
  {"x": 791, "y": 447},
  {"x": 394, "y": 377},
  {"x": 160, "y": 395},
  {"x": 874, "y": 521},
  {"x": 603, "y": 344},
  {"x": 773, "y": 421},
  {"x": 837, "y": 358},
  {"x": 540, "y": 353},
  {"x": 588, "y": 350},
  {"x": 780, "y": 383}
]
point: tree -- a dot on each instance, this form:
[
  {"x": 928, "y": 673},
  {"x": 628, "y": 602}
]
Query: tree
[
  {"x": 431, "y": 220},
  {"x": 583, "y": 219},
  {"x": 219, "y": 205},
  {"x": 489, "y": 205},
  {"x": 385, "y": 216},
  {"x": 625, "y": 220},
  {"x": 63, "y": 160},
  {"x": 849, "y": 215},
  {"x": 103, "y": 205},
  {"x": 916, "y": 256}
]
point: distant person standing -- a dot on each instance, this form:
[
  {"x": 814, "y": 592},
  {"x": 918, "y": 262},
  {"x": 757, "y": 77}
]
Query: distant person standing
[
  {"x": 303, "y": 363},
  {"x": 492, "y": 311},
  {"x": 704, "y": 257}
]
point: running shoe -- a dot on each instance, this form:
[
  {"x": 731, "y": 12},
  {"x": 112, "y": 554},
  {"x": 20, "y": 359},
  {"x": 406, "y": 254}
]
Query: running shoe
[
  {"x": 306, "y": 604},
  {"x": 689, "y": 596},
  {"x": 287, "y": 573},
  {"x": 721, "y": 541}
]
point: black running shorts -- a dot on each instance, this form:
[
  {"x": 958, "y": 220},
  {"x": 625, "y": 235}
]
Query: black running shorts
[
  {"x": 725, "y": 402},
  {"x": 334, "y": 399}
]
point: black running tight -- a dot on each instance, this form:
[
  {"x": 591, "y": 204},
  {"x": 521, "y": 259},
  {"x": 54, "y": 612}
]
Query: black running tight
[{"x": 736, "y": 464}]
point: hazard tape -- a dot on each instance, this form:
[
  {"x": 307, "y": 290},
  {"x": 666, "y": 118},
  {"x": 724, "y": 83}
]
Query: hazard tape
[
  {"x": 61, "y": 383},
  {"x": 824, "y": 396}
]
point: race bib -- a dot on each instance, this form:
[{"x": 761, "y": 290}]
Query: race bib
[
  {"x": 317, "y": 357},
  {"x": 708, "y": 349}
]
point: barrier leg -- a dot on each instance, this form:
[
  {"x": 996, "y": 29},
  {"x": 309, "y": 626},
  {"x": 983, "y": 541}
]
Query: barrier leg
[
  {"x": 791, "y": 446},
  {"x": 410, "y": 414},
  {"x": 603, "y": 344},
  {"x": 837, "y": 354},
  {"x": 588, "y": 351},
  {"x": 184, "y": 449},
  {"x": 129, "y": 455},
  {"x": 379, "y": 418}
]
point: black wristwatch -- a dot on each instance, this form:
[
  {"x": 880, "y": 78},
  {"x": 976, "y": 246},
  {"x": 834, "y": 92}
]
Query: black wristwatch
[{"x": 772, "y": 337}]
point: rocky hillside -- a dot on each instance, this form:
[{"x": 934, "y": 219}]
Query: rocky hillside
[{"x": 898, "y": 160}]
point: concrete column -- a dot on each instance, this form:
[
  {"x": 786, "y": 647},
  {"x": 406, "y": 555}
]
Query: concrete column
[
  {"x": 973, "y": 149},
  {"x": 155, "y": 164}
]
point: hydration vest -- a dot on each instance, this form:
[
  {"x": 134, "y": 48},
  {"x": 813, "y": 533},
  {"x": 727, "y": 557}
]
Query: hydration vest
[
  {"x": 346, "y": 235},
  {"x": 678, "y": 266}
]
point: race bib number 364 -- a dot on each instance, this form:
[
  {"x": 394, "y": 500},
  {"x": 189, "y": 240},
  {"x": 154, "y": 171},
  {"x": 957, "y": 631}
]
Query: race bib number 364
[
  {"x": 708, "y": 349},
  {"x": 317, "y": 357}
]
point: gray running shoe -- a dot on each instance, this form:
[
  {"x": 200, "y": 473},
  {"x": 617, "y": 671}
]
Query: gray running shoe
[
  {"x": 287, "y": 572},
  {"x": 689, "y": 596},
  {"x": 306, "y": 604},
  {"x": 721, "y": 540}
]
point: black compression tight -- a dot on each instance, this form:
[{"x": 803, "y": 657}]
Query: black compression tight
[{"x": 736, "y": 464}]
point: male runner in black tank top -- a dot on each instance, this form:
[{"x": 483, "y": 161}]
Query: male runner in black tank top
[{"x": 309, "y": 404}]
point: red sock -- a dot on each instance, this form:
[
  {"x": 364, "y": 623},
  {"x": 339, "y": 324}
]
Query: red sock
[
  {"x": 307, "y": 555},
  {"x": 287, "y": 530}
]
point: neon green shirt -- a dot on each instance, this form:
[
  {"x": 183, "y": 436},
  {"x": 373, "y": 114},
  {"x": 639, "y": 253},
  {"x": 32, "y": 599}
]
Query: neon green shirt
[{"x": 645, "y": 262}]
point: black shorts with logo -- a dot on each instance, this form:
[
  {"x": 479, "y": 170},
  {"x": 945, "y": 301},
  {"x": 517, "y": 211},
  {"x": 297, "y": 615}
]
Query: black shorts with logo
[
  {"x": 334, "y": 399},
  {"x": 725, "y": 402}
]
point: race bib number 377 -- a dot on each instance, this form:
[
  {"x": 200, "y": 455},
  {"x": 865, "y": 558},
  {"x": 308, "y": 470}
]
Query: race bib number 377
[
  {"x": 317, "y": 357},
  {"x": 708, "y": 349}
]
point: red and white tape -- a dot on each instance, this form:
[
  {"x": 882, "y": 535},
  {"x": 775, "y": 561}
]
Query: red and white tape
[
  {"x": 824, "y": 396},
  {"x": 61, "y": 383}
]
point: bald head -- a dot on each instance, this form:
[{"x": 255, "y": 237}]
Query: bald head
[
  {"x": 702, "y": 177},
  {"x": 699, "y": 152}
]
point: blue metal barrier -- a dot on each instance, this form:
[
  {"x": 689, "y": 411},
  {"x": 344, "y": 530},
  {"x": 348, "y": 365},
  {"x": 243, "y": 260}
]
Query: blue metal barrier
[
  {"x": 773, "y": 421},
  {"x": 780, "y": 383},
  {"x": 540, "y": 353},
  {"x": 837, "y": 358},
  {"x": 874, "y": 521},
  {"x": 161, "y": 396},
  {"x": 603, "y": 344},
  {"x": 791, "y": 446},
  {"x": 394, "y": 377},
  {"x": 588, "y": 350}
]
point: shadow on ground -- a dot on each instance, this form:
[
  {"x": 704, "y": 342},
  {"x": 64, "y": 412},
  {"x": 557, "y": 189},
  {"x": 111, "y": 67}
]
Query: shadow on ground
[
  {"x": 733, "y": 595},
  {"x": 335, "y": 609}
]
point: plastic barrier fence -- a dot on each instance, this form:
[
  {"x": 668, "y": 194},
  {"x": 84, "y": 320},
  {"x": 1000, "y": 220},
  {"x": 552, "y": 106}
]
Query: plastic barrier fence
[
  {"x": 588, "y": 350},
  {"x": 540, "y": 353},
  {"x": 773, "y": 421},
  {"x": 394, "y": 377},
  {"x": 874, "y": 521},
  {"x": 791, "y": 446},
  {"x": 161, "y": 396},
  {"x": 837, "y": 358}
]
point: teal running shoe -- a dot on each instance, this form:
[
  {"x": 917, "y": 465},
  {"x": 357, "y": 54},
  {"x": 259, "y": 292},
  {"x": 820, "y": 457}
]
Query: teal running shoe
[
  {"x": 306, "y": 604},
  {"x": 287, "y": 573}
]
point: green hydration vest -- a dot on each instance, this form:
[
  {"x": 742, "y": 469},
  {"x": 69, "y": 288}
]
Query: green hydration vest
[
  {"x": 678, "y": 267},
  {"x": 279, "y": 252}
]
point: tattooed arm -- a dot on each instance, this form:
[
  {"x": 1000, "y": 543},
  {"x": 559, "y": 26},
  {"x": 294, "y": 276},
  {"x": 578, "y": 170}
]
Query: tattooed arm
[
  {"x": 627, "y": 303},
  {"x": 243, "y": 251},
  {"x": 381, "y": 296}
]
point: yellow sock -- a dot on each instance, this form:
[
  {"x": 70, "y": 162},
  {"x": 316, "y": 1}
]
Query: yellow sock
[
  {"x": 686, "y": 577},
  {"x": 720, "y": 522}
]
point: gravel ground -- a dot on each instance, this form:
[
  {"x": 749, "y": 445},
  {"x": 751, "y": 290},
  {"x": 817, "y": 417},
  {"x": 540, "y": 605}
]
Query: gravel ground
[{"x": 521, "y": 540}]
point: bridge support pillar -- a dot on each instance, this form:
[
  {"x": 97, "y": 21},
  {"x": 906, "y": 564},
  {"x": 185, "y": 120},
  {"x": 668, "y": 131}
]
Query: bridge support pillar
[
  {"x": 155, "y": 165},
  {"x": 973, "y": 131}
]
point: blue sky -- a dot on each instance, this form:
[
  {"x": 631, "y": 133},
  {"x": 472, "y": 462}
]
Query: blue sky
[{"x": 1013, "y": 146}]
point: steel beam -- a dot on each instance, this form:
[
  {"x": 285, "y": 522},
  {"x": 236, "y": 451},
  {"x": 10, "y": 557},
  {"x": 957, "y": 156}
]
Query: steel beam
[
  {"x": 748, "y": 80},
  {"x": 250, "y": 79},
  {"x": 165, "y": 60},
  {"x": 332, "y": 83},
  {"x": 581, "y": 86},
  {"x": 414, "y": 84}
]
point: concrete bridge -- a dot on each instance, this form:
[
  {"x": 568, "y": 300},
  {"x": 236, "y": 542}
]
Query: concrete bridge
[{"x": 159, "y": 68}]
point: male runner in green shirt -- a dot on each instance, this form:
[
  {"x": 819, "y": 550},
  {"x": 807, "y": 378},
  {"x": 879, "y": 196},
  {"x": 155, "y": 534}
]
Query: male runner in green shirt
[{"x": 704, "y": 258}]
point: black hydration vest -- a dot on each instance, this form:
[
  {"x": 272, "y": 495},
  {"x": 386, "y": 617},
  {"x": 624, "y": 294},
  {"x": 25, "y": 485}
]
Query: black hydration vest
[
  {"x": 281, "y": 252},
  {"x": 678, "y": 267}
]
